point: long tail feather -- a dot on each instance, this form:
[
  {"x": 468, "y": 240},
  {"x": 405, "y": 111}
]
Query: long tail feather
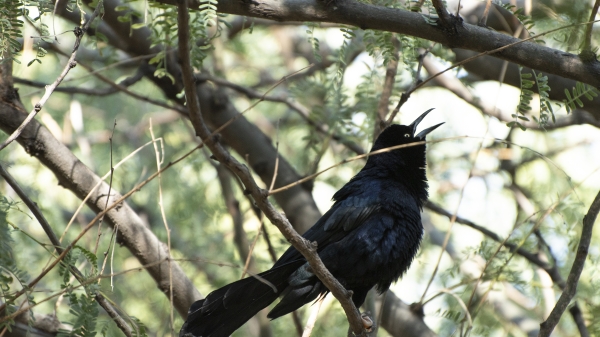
[{"x": 226, "y": 309}]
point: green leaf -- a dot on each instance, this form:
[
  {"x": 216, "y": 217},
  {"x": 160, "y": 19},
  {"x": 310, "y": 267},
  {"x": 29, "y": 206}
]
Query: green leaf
[
  {"x": 138, "y": 25},
  {"x": 568, "y": 94}
]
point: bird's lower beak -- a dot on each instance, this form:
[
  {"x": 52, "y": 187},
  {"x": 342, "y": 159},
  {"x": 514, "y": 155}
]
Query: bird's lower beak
[{"x": 423, "y": 133}]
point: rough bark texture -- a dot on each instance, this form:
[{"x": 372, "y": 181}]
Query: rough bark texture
[{"x": 468, "y": 36}]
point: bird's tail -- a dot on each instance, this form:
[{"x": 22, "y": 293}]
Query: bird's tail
[{"x": 224, "y": 310}]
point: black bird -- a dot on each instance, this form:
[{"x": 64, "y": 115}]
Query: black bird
[{"x": 368, "y": 238}]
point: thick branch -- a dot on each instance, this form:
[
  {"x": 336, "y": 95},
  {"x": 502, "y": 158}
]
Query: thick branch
[
  {"x": 399, "y": 319},
  {"x": 365, "y": 16}
]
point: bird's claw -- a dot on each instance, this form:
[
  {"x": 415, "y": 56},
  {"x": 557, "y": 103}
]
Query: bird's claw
[{"x": 367, "y": 322}]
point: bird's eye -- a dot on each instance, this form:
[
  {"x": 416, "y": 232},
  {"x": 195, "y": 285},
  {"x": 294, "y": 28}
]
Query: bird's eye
[{"x": 407, "y": 135}]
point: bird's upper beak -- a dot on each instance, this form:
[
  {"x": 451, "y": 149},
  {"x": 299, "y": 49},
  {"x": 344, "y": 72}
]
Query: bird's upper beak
[{"x": 423, "y": 133}]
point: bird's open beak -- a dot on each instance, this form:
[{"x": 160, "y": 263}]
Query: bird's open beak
[{"x": 423, "y": 133}]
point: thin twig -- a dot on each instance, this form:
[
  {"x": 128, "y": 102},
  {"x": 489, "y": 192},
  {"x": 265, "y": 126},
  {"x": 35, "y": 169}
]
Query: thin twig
[
  {"x": 293, "y": 105},
  {"x": 120, "y": 86},
  {"x": 79, "y": 32},
  {"x": 100, "y": 181},
  {"x": 84, "y": 91},
  {"x": 112, "y": 172},
  {"x": 159, "y": 161},
  {"x": 276, "y": 158},
  {"x": 483, "y": 21},
  {"x": 416, "y": 84},
  {"x": 314, "y": 313},
  {"x": 453, "y": 220},
  {"x": 490, "y": 260},
  {"x": 444, "y": 17},
  {"x": 388, "y": 86},
  {"x": 347, "y": 160},
  {"x": 455, "y": 86},
  {"x": 573, "y": 278},
  {"x": 587, "y": 44},
  {"x": 251, "y": 250}
]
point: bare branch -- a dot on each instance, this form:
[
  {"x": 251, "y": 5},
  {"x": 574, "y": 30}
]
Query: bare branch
[
  {"x": 587, "y": 52},
  {"x": 444, "y": 17},
  {"x": 573, "y": 278},
  {"x": 486, "y": 11},
  {"x": 85, "y": 91},
  {"x": 307, "y": 249}
]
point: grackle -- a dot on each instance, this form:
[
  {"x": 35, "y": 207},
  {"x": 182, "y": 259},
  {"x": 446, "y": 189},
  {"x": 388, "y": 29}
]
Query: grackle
[{"x": 368, "y": 238}]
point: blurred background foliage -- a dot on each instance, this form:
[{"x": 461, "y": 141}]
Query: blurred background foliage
[{"x": 502, "y": 178}]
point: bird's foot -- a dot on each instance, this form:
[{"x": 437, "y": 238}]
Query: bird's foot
[{"x": 367, "y": 322}]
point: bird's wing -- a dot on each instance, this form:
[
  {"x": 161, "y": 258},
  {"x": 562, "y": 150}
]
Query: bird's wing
[{"x": 345, "y": 216}]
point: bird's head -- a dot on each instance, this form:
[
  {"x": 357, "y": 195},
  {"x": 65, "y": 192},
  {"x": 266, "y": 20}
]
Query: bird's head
[
  {"x": 397, "y": 134},
  {"x": 406, "y": 164}
]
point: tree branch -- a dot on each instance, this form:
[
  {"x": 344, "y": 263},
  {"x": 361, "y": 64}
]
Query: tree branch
[
  {"x": 445, "y": 18},
  {"x": 307, "y": 249},
  {"x": 573, "y": 279},
  {"x": 587, "y": 52},
  {"x": 367, "y": 16},
  {"x": 85, "y": 91}
]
